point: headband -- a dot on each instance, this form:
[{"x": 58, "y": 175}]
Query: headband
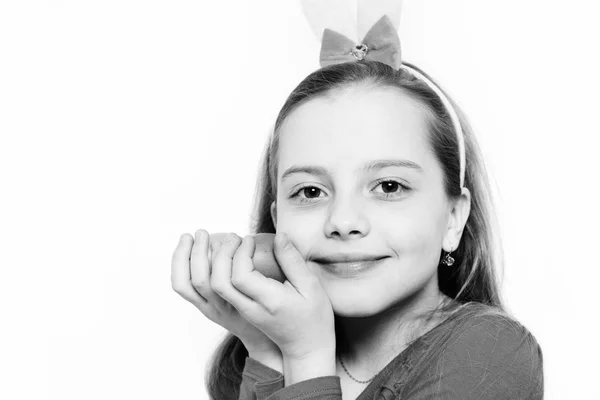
[{"x": 376, "y": 21}]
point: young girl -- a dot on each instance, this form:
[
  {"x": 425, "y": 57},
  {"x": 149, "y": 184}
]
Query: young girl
[{"x": 388, "y": 253}]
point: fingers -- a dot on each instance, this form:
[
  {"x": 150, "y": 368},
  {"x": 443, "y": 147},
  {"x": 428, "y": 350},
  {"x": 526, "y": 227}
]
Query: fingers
[
  {"x": 220, "y": 278},
  {"x": 202, "y": 273},
  {"x": 181, "y": 275},
  {"x": 200, "y": 268},
  {"x": 292, "y": 263},
  {"x": 248, "y": 280}
]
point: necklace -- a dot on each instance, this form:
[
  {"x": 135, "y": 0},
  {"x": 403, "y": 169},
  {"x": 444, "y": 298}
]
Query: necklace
[
  {"x": 348, "y": 373},
  {"x": 356, "y": 380}
]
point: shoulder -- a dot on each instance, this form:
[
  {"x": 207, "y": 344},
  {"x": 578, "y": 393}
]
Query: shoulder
[
  {"x": 486, "y": 353},
  {"x": 489, "y": 331}
]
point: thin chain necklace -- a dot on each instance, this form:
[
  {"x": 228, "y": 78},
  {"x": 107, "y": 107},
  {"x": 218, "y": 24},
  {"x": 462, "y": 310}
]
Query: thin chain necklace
[
  {"x": 356, "y": 380},
  {"x": 348, "y": 373}
]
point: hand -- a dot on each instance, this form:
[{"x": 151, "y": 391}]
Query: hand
[
  {"x": 192, "y": 279},
  {"x": 296, "y": 315}
]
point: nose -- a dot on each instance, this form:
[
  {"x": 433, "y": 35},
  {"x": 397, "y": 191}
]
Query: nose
[{"x": 346, "y": 219}]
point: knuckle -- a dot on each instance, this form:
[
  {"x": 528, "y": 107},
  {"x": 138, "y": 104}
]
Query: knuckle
[
  {"x": 272, "y": 308},
  {"x": 236, "y": 280},
  {"x": 216, "y": 285},
  {"x": 218, "y": 289},
  {"x": 215, "y": 240},
  {"x": 199, "y": 284},
  {"x": 231, "y": 238},
  {"x": 230, "y": 243},
  {"x": 180, "y": 289},
  {"x": 224, "y": 241},
  {"x": 176, "y": 287}
]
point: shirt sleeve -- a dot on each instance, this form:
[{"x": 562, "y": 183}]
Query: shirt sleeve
[
  {"x": 490, "y": 357},
  {"x": 259, "y": 381},
  {"x": 321, "y": 388}
]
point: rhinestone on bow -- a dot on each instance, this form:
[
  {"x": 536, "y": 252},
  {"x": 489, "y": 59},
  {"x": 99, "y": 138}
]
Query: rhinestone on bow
[{"x": 360, "y": 51}]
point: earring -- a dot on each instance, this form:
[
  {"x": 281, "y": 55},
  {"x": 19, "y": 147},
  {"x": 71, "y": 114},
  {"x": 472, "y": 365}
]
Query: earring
[{"x": 447, "y": 260}]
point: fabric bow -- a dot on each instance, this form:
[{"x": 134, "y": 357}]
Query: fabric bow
[{"x": 381, "y": 43}]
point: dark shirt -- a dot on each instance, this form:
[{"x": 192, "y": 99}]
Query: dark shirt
[{"x": 487, "y": 356}]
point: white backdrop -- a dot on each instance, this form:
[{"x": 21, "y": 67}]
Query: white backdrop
[{"x": 125, "y": 123}]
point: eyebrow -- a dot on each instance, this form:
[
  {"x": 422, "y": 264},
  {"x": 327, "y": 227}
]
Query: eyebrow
[{"x": 371, "y": 166}]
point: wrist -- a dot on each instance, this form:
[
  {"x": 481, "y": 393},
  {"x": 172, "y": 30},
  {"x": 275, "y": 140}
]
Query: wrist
[{"x": 297, "y": 369}]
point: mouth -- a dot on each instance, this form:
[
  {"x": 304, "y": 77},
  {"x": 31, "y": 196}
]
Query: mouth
[
  {"x": 347, "y": 259},
  {"x": 349, "y": 268}
]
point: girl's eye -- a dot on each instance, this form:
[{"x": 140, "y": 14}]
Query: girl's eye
[
  {"x": 390, "y": 187},
  {"x": 308, "y": 191}
]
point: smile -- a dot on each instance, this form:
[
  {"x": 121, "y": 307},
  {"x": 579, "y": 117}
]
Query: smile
[{"x": 350, "y": 268}]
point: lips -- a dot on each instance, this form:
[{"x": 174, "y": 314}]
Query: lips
[
  {"x": 350, "y": 269},
  {"x": 346, "y": 259}
]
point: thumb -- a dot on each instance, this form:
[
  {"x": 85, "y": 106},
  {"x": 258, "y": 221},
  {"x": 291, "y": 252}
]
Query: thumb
[{"x": 291, "y": 262}]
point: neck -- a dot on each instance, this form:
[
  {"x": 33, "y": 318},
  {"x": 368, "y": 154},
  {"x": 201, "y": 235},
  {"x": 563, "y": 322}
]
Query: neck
[{"x": 370, "y": 343}]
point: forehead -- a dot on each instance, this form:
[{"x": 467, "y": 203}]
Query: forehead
[{"x": 353, "y": 127}]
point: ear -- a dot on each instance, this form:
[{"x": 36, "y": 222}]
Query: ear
[
  {"x": 274, "y": 214},
  {"x": 458, "y": 219}
]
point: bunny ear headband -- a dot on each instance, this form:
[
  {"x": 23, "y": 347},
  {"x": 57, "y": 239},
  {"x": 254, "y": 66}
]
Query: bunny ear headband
[{"x": 340, "y": 24}]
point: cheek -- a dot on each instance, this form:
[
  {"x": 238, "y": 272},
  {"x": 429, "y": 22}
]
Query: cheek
[
  {"x": 416, "y": 232},
  {"x": 303, "y": 229},
  {"x": 416, "y": 238}
]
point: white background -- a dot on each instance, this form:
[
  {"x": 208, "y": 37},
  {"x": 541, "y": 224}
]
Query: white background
[{"x": 126, "y": 123}]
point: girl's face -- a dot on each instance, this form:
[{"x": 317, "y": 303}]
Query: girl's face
[{"x": 357, "y": 177}]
